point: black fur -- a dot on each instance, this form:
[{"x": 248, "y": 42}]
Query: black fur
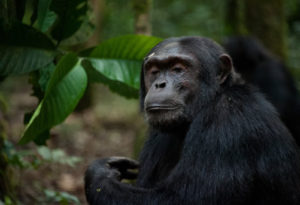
[
  {"x": 259, "y": 67},
  {"x": 235, "y": 151}
]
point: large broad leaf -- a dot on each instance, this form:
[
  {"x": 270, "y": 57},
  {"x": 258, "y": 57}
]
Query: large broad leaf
[
  {"x": 45, "y": 17},
  {"x": 63, "y": 92},
  {"x": 24, "y": 49},
  {"x": 71, "y": 14},
  {"x": 85, "y": 31},
  {"x": 117, "y": 63},
  {"x": 122, "y": 76}
]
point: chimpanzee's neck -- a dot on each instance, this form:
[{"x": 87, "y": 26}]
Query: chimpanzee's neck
[
  {"x": 161, "y": 153},
  {"x": 176, "y": 130},
  {"x": 170, "y": 148}
]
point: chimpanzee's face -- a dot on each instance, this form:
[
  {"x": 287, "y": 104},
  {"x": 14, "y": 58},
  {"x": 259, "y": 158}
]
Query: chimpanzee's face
[{"x": 171, "y": 81}]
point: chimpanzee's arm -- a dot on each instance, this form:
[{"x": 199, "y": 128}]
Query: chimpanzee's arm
[{"x": 103, "y": 186}]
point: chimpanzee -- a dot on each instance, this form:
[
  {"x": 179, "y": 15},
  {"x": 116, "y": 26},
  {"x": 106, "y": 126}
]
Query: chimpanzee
[
  {"x": 258, "y": 66},
  {"x": 214, "y": 140}
]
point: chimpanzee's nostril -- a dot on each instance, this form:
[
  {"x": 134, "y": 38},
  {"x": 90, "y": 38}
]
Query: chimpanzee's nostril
[{"x": 160, "y": 85}]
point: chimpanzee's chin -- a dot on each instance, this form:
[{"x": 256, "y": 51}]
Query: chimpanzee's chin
[{"x": 167, "y": 121}]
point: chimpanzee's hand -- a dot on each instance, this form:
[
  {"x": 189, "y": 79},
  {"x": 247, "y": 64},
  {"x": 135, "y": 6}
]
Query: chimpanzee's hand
[
  {"x": 124, "y": 165},
  {"x": 99, "y": 174},
  {"x": 113, "y": 167}
]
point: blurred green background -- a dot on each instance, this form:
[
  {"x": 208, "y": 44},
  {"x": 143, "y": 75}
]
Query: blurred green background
[{"x": 104, "y": 123}]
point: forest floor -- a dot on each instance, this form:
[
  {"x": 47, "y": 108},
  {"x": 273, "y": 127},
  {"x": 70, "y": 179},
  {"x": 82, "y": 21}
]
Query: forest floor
[{"x": 110, "y": 126}]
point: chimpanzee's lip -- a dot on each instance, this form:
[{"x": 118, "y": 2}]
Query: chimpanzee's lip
[{"x": 161, "y": 107}]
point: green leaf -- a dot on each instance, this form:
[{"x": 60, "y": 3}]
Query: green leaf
[
  {"x": 71, "y": 14},
  {"x": 44, "y": 76},
  {"x": 117, "y": 63},
  {"x": 42, "y": 138},
  {"x": 39, "y": 80},
  {"x": 30, "y": 12},
  {"x": 85, "y": 31},
  {"x": 45, "y": 17},
  {"x": 57, "y": 156},
  {"x": 45, "y": 152},
  {"x": 24, "y": 49},
  {"x": 122, "y": 76},
  {"x": 63, "y": 92},
  {"x": 61, "y": 197},
  {"x": 129, "y": 47}
]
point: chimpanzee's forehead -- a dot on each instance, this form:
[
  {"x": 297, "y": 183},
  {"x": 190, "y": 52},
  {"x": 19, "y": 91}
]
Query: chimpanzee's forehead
[{"x": 171, "y": 49}]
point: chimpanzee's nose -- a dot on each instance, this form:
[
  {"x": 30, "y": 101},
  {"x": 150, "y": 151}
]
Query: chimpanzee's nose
[{"x": 161, "y": 84}]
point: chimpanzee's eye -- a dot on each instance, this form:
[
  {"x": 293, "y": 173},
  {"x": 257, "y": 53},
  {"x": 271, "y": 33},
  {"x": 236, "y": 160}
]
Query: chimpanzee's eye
[
  {"x": 178, "y": 68},
  {"x": 154, "y": 71}
]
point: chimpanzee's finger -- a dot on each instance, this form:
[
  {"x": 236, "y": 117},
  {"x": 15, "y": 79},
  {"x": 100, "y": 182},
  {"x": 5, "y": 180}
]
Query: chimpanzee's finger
[
  {"x": 123, "y": 163},
  {"x": 113, "y": 173},
  {"x": 129, "y": 174}
]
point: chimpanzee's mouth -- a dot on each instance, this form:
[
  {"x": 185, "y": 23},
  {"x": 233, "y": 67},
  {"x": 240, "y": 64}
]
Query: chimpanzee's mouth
[{"x": 161, "y": 107}]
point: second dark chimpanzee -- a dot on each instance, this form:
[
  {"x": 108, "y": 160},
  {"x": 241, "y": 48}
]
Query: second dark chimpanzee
[
  {"x": 214, "y": 140},
  {"x": 258, "y": 66}
]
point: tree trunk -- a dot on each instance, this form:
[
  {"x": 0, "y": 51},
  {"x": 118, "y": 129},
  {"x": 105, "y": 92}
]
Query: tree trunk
[
  {"x": 142, "y": 10},
  {"x": 234, "y": 19},
  {"x": 98, "y": 9},
  {"x": 265, "y": 20}
]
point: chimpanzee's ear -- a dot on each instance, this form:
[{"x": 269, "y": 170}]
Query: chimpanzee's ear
[{"x": 226, "y": 67}]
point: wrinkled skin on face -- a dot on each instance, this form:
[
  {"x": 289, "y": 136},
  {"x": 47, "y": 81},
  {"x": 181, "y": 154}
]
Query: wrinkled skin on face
[{"x": 171, "y": 77}]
